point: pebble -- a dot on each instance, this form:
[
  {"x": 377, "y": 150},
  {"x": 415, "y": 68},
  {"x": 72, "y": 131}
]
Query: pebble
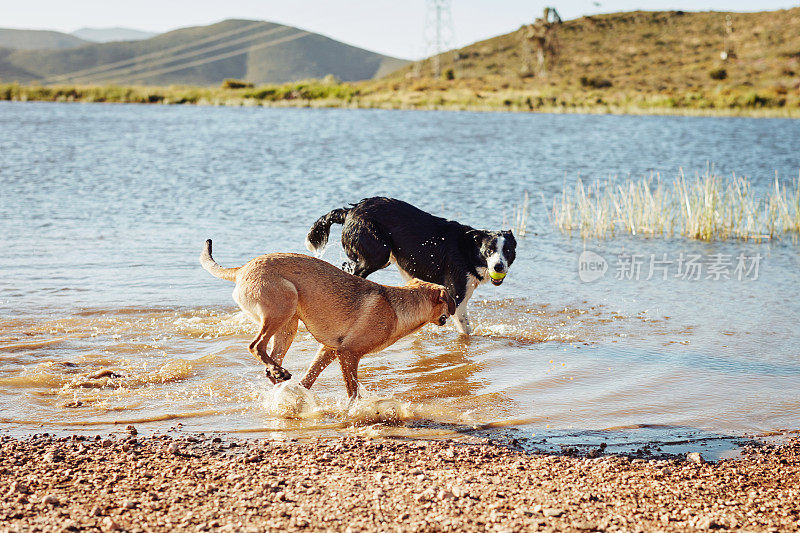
[
  {"x": 132, "y": 430},
  {"x": 96, "y": 511},
  {"x": 552, "y": 512},
  {"x": 458, "y": 491},
  {"x": 128, "y": 504},
  {"x": 52, "y": 457},
  {"x": 695, "y": 457},
  {"x": 110, "y": 525},
  {"x": 426, "y": 495},
  {"x": 706, "y": 522},
  {"x": 49, "y": 499},
  {"x": 173, "y": 448},
  {"x": 445, "y": 495},
  {"x": 107, "y": 443},
  {"x": 18, "y": 487}
]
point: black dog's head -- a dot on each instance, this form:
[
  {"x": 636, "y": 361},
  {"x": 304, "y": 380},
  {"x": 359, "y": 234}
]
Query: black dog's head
[{"x": 498, "y": 249}]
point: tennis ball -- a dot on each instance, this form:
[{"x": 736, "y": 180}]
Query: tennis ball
[{"x": 497, "y": 275}]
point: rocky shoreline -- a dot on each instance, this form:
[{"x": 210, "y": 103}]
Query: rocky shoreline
[{"x": 165, "y": 483}]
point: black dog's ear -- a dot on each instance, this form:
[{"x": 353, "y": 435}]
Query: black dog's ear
[
  {"x": 509, "y": 235},
  {"x": 476, "y": 235}
]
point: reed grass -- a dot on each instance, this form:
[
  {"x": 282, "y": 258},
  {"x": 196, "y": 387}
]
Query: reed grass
[
  {"x": 709, "y": 207},
  {"x": 521, "y": 216}
]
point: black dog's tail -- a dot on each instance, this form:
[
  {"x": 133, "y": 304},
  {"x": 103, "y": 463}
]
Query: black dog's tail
[{"x": 317, "y": 237}]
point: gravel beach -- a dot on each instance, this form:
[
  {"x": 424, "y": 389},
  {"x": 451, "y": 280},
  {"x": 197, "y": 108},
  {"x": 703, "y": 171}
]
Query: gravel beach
[{"x": 163, "y": 483}]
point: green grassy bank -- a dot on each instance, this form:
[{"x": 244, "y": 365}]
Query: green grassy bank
[{"x": 425, "y": 93}]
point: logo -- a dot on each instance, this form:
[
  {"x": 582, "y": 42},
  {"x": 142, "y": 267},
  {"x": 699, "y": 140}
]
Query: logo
[{"x": 591, "y": 266}]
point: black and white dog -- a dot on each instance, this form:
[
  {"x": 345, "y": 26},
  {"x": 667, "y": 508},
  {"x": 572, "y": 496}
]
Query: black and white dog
[{"x": 379, "y": 231}]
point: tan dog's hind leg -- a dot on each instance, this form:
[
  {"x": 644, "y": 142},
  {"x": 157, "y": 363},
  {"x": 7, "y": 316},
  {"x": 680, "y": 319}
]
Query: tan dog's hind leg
[
  {"x": 324, "y": 357},
  {"x": 273, "y": 305},
  {"x": 275, "y": 372},
  {"x": 283, "y": 340}
]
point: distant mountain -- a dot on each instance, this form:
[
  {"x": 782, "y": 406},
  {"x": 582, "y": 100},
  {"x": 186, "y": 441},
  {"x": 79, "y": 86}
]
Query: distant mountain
[
  {"x": 38, "y": 40},
  {"x": 107, "y": 35},
  {"x": 256, "y": 51}
]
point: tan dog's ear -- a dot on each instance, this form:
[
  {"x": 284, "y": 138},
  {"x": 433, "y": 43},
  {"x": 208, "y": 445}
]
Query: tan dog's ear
[{"x": 445, "y": 297}]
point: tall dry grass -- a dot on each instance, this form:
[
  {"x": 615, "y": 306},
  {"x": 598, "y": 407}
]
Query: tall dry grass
[
  {"x": 709, "y": 207},
  {"x": 521, "y": 216}
]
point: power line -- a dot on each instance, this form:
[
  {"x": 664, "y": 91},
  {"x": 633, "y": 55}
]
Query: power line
[
  {"x": 170, "y": 58},
  {"x": 222, "y": 56},
  {"x": 114, "y": 65}
]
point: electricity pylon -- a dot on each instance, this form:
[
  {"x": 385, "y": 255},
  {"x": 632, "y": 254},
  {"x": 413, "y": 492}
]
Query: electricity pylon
[{"x": 438, "y": 32}]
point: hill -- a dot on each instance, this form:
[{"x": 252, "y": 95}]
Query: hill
[
  {"x": 107, "y": 35},
  {"x": 636, "y": 62},
  {"x": 672, "y": 58},
  {"x": 255, "y": 51},
  {"x": 38, "y": 40}
]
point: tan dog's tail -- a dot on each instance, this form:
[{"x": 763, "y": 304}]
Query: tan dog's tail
[{"x": 213, "y": 268}]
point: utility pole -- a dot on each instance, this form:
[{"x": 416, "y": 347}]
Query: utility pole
[
  {"x": 728, "y": 49},
  {"x": 438, "y": 32}
]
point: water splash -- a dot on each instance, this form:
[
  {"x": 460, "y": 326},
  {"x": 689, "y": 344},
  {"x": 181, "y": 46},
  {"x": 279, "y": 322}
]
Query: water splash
[
  {"x": 292, "y": 400},
  {"x": 369, "y": 408}
]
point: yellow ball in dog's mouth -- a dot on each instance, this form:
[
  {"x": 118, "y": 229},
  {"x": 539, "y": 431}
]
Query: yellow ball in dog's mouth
[{"x": 497, "y": 275}]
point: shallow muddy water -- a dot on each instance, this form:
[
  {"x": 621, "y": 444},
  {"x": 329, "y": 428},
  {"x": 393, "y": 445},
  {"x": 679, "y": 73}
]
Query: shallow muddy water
[{"x": 106, "y": 317}]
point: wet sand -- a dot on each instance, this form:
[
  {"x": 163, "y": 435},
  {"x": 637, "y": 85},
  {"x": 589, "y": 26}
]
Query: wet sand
[{"x": 164, "y": 483}]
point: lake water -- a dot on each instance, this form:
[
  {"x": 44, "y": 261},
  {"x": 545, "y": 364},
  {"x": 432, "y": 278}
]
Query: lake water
[{"x": 104, "y": 210}]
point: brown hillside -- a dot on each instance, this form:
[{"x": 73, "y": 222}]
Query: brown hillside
[{"x": 644, "y": 53}]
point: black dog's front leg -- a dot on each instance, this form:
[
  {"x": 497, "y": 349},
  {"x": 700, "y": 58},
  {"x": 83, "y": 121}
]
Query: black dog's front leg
[{"x": 461, "y": 290}]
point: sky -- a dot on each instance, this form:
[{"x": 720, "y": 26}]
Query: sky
[{"x": 392, "y": 27}]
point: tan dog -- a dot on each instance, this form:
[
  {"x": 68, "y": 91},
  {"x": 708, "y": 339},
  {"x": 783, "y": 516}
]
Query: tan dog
[{"x": 348, "y": 315}]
